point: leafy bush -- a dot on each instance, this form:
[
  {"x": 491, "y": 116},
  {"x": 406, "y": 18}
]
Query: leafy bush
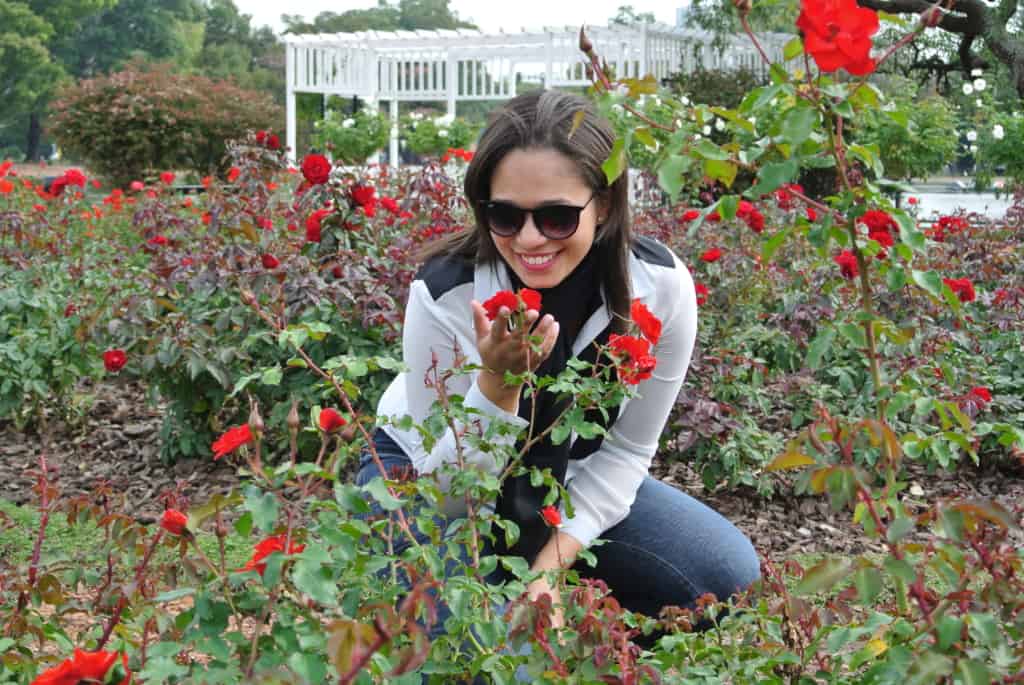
[
  {"x": 352, "y": 139},
  {"x": 432, "y": 137},
  {"x": 137, "y": 122}
]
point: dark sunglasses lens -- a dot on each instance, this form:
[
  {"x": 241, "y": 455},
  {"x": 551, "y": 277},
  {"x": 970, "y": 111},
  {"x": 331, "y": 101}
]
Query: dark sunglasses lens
[
  {"x": 504, "y": 219},
  {"x": 557, "y": 221}
]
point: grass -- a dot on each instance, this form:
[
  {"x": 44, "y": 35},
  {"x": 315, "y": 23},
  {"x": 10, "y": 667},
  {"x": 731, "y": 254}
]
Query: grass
[{"x": 19, "y": 526}]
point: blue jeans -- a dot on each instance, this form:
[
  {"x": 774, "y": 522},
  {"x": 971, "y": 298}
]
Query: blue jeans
[{"x": 669, "y": 550}]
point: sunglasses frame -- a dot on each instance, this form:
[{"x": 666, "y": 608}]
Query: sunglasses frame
[{"x": 486, "y": 205}]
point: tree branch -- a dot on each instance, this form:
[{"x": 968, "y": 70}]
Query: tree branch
[{"x": 966, "y": 17}]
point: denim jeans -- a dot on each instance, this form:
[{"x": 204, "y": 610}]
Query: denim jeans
[{"x": 669, "y": 550}]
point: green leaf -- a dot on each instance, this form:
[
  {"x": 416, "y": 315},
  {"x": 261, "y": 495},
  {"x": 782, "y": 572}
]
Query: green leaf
[
  {"x": 378, "y": 489},
  {"x": 909, "y": 233},
  {"x": 929, "y": 281},
  {"x": 721, "y": 171},
  {"x": 896, "y": 278},
  {"x": 316, "y": 581},
  {"x": 818, "y": 347},
  {"x": 172, "y": 595},
  {"x": 868, "y": 582},
  {"x": 708, "y": 150},
  {"x": 822, "y": 576},
  {"x": 794, "y": 48},
  {"x": 974, "y": 672},
  {"x": 263, "y": 506},
  {"x": 272, "y": 376},
  {"x": 616, "y": 162},
  {"x": 670, "y": 174},
  {"x": 772, "y": 176},
  {"x": 855, "y": 334},
  {"x": 727, "y": 206},
  {"x": 948, "y": 629},
  {"x": 928, "y": 669},
  {"x": 798, "y": 123},
  {"x": 772, "y": 245}
]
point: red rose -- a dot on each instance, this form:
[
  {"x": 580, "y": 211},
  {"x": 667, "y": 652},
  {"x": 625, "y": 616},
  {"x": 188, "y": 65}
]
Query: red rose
[
  {"x": 273, "y": 142},
  {"x": 270, "y": 261},
  {"x": 551, "y": 516},
  {"x": 755, "y": 220},
  {"x": 812, "y": 215},
  {"x": 650, "y": 325},
  {"x": 962, "y": 287},
  {"x": 714, "y": 216},
  {"x": 74, "y": 177},
  {"x": 911, "y": 200},
  {"x": 174, "y": 522},
  {"x": 364, "y": 195},
  {"x": 231, "y": 441},
  {"x": 158, "y": 240},
  {"x": 837, "y": 34},
  {"x": 114, "y": 360},
  {"x": 84, "y": 667},
  {"x": 982, "y": 394},
  {"x": 233, "y": 174},
  {"x": 314, "y": 225},
  {"x": 744, "y": 209},
  {"x": 389, "y": 204},
  {"x": 275, "y": 543},
  {"x": 531, "y": 298},
  {"x": 261, "y": 137},
  {"x": 58, "y": 185},
  {"x": 712, "y": 255},
  {"x": 167, "y": 178},
  {"x": 136, "y": 186},
  {"x": 316, "y": 169},
  {"x": 70, "y": 310},
  {"x": 847, "y": 262},
  {"x": 633, "y": 358},
  {"x": 6, "y": 187},
  {"x": 784, "y": 195},
  {"x": 331, "y": 420},
  {"x": 877, "y": 220},
  {"x": 690, "y": 214},
  {"x": 702, "y": 293}
]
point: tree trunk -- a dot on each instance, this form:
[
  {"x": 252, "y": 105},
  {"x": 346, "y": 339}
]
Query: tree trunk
[{"x": 35, "y": 135}]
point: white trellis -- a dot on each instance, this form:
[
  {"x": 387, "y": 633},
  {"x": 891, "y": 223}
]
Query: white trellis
[{"x": 463, "y": 65}]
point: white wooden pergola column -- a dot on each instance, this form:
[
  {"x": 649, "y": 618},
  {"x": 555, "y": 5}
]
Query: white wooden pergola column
[{"x": 450, "y": 66}]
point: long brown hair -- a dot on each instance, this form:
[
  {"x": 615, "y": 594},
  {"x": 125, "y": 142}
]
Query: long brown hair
[{"x": 546, "y": 119}]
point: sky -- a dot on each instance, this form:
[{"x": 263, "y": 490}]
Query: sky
[{"x": 487, "y": 14}]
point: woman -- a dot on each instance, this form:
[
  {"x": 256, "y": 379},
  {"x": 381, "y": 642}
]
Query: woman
[{"x": 547, "y": 219}]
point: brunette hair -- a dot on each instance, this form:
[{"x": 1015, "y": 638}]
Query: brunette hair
[{"x": 569, "y": 124}]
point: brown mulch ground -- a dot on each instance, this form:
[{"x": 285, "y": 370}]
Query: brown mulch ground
[{"x": 119, "y": 441}]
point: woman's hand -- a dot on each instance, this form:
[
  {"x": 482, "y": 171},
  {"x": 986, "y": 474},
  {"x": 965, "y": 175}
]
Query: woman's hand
[
  {"x": 503, "y": 350},
  {"x": 541, "y": 586}
]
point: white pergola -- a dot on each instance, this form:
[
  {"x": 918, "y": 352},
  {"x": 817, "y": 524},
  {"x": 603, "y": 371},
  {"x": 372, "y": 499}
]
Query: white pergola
[{"x": 463, "y": 65}]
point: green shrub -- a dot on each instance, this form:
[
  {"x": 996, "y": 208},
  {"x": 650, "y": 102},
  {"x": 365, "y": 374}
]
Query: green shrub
[
  {"x": 143, "y": 120},
  {"x": 352, "y": 139},
  {"x": 433, "y": 137}
]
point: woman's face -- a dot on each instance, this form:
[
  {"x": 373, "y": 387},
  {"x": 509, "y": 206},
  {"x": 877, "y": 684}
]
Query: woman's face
[{"x": 533, "y": 178}]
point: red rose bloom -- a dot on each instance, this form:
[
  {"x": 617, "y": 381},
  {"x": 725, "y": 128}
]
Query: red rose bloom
[
  {"x": 57, "y": 186},
  {"x": 755, "y": 220},
  {"x": 847, "y": 262},
  {"x": 962, "y": 287},
  {"x": 837, "y": 34},
  {"x": 877, "y": 220},
  {"x": 982, "y": 394},
  {"x": 174, "y": 522},
  {"x": 633, "y": 358},
  {"x": 314, "y": 225},
  {"x": 6, "y": 187},
  {"x": 231, "y": 441},
  {"x": 167, "y": 178},
  {"x": 83, "y": 667},
  {"x": 331, "y": 420},
  {"x": 74, "y": 177},
  {"x": 233, "y": 174},
  {"x": 531, "y": 298},
  {"x": 364, "y": 195},
  {"x": 273, "y": 142},
  {"x": 316, "y": 169},
  {"x": 702, "y": 293},
  {"x": 261, "y": 137},
  {"x": 812, "y": 215},
  {"x": 158, "y": 240},
  {"x": 712, "y": 255},
  {"x": 114, "y": 360},
  {"x": 506, "y": 298},
  {"x": 136, "y": 186},
  {"x": 690, "y": 215},
  {"x": 389, "y": 204},
  {"x": 551, "y": 516},
  {"x": 275, "y": 543},
  {"x": 650, "y": 325},
  {"x": 270, "y": 261}
]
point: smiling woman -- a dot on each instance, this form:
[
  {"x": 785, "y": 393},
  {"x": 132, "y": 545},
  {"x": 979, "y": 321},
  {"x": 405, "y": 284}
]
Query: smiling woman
[{"x": 549, "y": 223}]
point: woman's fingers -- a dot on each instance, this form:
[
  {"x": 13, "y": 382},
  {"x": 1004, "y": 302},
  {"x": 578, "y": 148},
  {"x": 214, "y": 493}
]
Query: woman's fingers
[{"x": 480, "y": 323}]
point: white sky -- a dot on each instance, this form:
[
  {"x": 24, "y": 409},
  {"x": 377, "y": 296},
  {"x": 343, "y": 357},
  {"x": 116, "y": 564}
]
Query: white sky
[{"x": 489, "y": 15}]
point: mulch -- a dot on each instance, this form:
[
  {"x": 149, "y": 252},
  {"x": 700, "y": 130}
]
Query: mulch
[{"x": 119, "y": 442}]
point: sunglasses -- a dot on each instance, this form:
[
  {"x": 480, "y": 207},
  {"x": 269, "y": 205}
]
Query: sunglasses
[{"x": 555, "y": 222}]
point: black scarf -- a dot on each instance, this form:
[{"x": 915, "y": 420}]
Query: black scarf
[{"x": 571, "y": 303}]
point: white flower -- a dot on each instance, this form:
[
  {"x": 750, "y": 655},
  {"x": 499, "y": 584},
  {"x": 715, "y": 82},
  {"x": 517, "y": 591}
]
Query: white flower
[
  {"x": 679, "y": 123},
  {"x": 974, "y": 148},
  {"x": 348, "y": 123},
  {"x": 997, "y": 132},
  {"x": 622, "y": 89},
  {"x": 753, "y": 121},
  {"x": 975, "y": 72},
  {"x": 979, "y": 84},
  {"x": 443, "y": 133},
  {"x": 706, "y": 130},
  {"x": 697, "y": 136},
  {"x": 416, "y": 116},
  {"x": 657, "y": 100},
  {"x": 968, "y": 89},
  {"x": 979, "y": 103},
  {"x": 719, "y": 125},
  {"x": 685, "y": 100},
  {"x": 972, "y": 136}
]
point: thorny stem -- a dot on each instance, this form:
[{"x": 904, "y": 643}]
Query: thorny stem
[
  {"x": 123, "y": 601},
  {"x": 44, "y": 519}
]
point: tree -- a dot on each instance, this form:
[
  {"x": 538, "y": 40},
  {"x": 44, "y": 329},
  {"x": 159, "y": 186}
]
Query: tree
[
  {"x": 975, "y": 24},
  {"x": 407, "y": 15},
  {"x": 627, "y": 16}
]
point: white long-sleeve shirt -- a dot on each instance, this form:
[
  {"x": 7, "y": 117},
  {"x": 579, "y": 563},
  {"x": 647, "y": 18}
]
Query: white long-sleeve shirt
[{"x": 602, "y": 486}]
